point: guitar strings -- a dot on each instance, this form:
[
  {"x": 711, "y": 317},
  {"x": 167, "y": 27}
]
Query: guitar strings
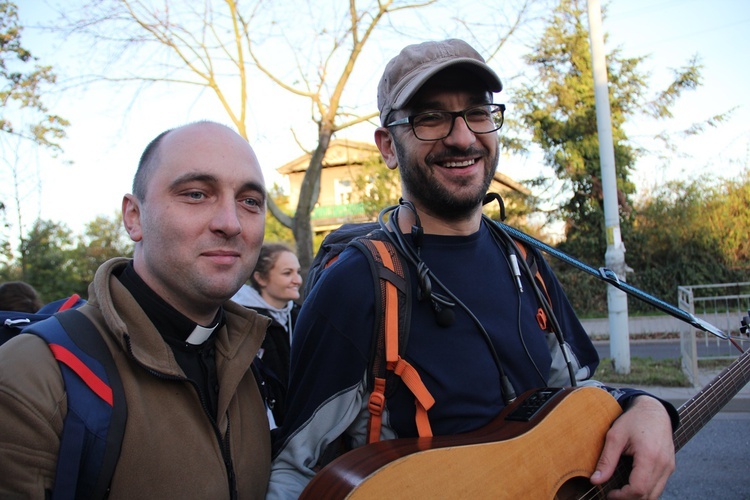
[{"x": 693, "y": 415}]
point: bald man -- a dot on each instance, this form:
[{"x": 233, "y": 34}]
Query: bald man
[{"x": 196, "y": 425}]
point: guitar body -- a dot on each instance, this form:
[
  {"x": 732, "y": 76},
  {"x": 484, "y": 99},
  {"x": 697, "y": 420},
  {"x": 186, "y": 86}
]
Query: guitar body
[
  {"x": 531, "y": 450},
  {"x": 544, "y": 445}
]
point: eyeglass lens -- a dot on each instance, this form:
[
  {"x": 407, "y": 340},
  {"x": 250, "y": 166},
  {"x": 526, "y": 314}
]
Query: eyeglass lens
[{"x": 434, "y": 125}]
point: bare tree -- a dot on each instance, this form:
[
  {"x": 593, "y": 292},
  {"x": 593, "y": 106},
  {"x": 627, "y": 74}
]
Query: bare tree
[
  {"x": 307, "y": 49},
  {"x": 27, "y": 126}
]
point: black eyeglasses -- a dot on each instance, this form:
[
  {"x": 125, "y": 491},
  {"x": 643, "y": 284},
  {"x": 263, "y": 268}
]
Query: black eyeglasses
[{"x": 436, "y": 125}]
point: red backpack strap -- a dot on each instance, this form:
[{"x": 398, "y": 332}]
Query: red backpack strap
[
  {"x": 70, "y": 302},
  {"x": 91, "y": 379},
  {"x": 391, "y": 336}
]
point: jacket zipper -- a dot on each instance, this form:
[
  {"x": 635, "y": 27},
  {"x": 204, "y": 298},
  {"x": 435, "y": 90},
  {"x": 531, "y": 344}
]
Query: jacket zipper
[{"x": 224, "y": 443}]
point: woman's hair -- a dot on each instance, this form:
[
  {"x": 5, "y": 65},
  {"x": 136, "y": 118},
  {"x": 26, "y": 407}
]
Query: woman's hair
[
  {"x": 19, "y": 296},
  {"x": 269, "y": 253}
]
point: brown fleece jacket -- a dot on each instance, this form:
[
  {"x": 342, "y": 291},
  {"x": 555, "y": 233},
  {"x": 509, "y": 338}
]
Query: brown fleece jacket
[{"x": 170, "y": 448}]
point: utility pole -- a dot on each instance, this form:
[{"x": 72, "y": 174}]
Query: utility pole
[{"x": 617, "y": 300}]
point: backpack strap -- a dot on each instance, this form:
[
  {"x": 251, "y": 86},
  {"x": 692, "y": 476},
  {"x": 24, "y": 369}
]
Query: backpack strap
[
  {"x": 528, "y": 256},
  {"x": 391, "y": 336},
  {"x": 95, "y": 420},
  {"x": 70, "y": 302}
]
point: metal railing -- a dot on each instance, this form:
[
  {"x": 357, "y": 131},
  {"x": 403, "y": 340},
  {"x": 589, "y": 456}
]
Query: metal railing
[{"x": 721, "y": 304}]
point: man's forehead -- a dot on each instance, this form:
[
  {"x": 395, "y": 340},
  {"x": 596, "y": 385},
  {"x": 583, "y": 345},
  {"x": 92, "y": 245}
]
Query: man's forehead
[{"x": 213, "y": 163}]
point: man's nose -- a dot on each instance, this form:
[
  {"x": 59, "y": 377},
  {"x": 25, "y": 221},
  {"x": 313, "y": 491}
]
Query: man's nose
[
  {"x": 461, "y": 135},
  {"x": 226, "y": 220}
]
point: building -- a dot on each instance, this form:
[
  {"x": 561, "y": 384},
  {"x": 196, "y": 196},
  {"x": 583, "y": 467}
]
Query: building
[{"x": 339, "y": 201}]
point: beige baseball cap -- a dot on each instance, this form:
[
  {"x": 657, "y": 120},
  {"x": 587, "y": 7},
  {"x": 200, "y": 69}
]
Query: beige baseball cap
[{"x": 416, "y": 64}]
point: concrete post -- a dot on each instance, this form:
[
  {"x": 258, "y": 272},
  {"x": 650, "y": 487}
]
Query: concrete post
[{"x": 617, "y": 301}]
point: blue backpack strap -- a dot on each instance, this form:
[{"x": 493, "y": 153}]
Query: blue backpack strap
[{"x": 95, "y": 420}]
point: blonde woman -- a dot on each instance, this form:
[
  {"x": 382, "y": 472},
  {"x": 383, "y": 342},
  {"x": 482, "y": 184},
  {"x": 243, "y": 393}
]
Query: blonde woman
[{"x": 274, "y": 288}]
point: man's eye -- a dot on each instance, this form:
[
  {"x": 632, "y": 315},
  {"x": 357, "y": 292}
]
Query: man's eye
[
  {"x": 252, "y": 203},
  {"x": 195, "y": 195},
  {"x": 429, "y": 119},
  {"x": 478, "y": 114}
]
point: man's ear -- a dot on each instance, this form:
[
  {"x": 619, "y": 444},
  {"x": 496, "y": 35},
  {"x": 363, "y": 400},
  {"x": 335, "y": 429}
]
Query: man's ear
[
  {"x": 384, "y": 141},
  {"x": 131, "y": 217}
]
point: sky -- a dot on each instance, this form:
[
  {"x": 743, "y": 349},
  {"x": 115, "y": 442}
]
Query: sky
[{"x": 110, "y": 127}]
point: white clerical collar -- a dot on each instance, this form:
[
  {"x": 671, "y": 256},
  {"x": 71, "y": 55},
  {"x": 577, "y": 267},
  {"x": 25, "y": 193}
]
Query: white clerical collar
[{"x": 200, "y": 334}]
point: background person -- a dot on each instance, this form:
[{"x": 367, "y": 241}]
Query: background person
[
  {"x": 19, "y": 296},
  {"x": 16, "y": 297},
  {"x": 273, "y": 290},
  {"x": 196, "y": 425}
]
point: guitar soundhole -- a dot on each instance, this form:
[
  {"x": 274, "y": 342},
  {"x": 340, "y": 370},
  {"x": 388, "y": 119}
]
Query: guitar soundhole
[{"x": 579, "y": 487}]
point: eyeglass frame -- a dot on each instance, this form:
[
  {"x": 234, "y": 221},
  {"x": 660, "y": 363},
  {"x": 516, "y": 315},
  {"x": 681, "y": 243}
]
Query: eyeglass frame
[{"x": 454, "y": 114}]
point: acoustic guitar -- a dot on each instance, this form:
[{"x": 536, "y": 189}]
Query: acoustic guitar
[{"x": 544, "y": 445}]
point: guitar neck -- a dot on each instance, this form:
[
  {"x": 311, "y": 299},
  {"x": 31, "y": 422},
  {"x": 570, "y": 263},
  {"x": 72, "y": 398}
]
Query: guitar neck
[{"x": 698, "y": 410}]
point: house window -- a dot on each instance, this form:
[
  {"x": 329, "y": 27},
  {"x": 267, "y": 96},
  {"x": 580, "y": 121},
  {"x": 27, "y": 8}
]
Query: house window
[
  {"x": 370, "y": 187},
  {"x": 342, "y": 191}
]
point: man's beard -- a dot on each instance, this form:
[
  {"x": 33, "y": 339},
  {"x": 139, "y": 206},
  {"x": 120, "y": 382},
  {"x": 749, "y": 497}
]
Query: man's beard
[{"x": 435, "y": 197}]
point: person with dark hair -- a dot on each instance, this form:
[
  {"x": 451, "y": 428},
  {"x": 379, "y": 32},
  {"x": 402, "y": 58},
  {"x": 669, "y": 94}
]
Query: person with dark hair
[
  {"x": 274, "y": 288},
  {"x": 19, "y": 296},
  {"x": 439, "y": 126},
  {"x": 196, "y": 424}
]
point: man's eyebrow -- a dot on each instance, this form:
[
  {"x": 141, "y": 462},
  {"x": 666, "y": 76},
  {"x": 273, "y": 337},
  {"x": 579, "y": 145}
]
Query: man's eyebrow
[
  {"x": 212, "y": 179},
  {"x": 193, "y": 177},
  {"x": 255, "y": 186}
]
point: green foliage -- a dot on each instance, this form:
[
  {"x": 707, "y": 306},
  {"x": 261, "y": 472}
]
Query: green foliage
[
  {"x": 559, "y": 109},
  {"x": 377, "y": 186},
  {"x": 48, "y": 259},
  {"x": 275, "y": 231},
  {"x": 690, "y": 233},
  {"x": 22, "y": 88},
  {"x": 683, "y": 233},
  {"x": 587, "y": 294},
  {"x": 103, "y": 239},
  {"x": 57, "y": 263},
  {"x": 727, "y": 215}
]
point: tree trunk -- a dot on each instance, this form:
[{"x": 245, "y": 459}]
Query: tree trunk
[{"x": 308, "y": 197}]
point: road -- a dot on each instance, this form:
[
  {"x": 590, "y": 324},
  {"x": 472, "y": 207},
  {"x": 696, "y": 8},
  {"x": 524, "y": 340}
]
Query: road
[
  {"x": 714, "y": 464},
  {"x": 669, "y": 349}
]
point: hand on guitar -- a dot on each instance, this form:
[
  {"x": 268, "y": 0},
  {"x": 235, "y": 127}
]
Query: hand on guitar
[{"x": 643, "y": 432}]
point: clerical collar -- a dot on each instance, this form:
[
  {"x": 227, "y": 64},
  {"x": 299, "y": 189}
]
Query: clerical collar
[
  {"x": 168, "y": 321},
  {"x": 200, "y": 334}
]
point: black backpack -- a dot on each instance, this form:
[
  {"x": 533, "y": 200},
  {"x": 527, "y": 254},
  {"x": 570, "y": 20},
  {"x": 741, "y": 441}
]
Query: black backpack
[{"x": 390, "y": 276}]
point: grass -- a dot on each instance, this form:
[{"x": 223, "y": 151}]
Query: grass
[
  {"x": 714, "y": 363},
  {"x": 644, "y": 372},
  {"x": 654, "y": 372}
]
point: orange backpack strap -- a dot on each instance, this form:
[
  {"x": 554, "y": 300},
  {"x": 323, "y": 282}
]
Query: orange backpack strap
[
  {"x": 392, "y": 333},
  {"x": 541, "y": 316}
]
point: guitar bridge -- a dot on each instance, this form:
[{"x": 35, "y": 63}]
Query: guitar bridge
[{"x": 530, "y": 406}]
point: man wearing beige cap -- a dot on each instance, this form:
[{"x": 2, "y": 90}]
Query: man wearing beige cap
[{"x": 475, "y": 338}]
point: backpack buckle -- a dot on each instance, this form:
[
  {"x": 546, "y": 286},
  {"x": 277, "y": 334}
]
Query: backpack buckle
[{"x": 376, "y": 403}]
